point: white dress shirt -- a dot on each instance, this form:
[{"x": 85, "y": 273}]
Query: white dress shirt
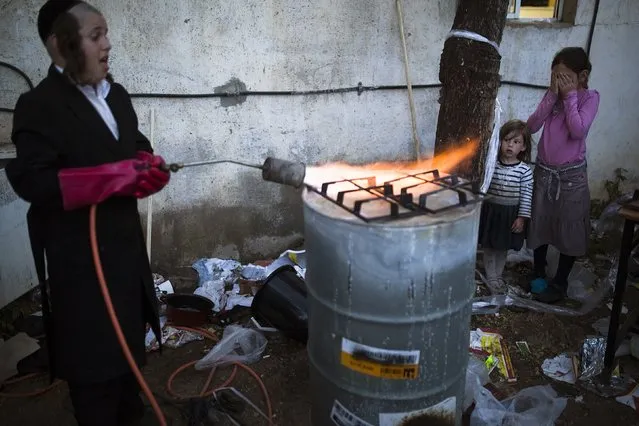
[{"x": 97, "y": 97}]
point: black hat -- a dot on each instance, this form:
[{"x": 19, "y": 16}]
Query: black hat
[{"x": 49, "y": 12}]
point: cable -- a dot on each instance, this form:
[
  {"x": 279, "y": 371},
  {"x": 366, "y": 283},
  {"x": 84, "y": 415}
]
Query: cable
[
  {"x": 19, "y": 71},
  {"x": 360, "y": 88},
  {"x": 27, "y": 394},
  {"x": 591, "y": 32}
]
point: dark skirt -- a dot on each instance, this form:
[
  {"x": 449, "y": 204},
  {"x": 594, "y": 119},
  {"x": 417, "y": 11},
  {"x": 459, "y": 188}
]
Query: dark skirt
[
  {"x": 561, "y": 210},
  {"x": 495, "y": 226}
]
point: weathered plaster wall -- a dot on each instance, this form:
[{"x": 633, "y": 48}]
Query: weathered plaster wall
[{"x": 199, "y": 46}]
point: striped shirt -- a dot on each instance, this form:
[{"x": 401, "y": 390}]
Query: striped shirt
[{"x": 512, "y": 185}]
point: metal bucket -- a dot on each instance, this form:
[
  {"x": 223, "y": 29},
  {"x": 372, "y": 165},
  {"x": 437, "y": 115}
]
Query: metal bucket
[
  {"x": 389, "y": 315},
  {"x": 189, "y": 310}
]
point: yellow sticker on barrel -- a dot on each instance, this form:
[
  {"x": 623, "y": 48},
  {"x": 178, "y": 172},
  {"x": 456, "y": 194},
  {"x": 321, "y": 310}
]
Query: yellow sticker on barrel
[{"x": 378, "y": 362}]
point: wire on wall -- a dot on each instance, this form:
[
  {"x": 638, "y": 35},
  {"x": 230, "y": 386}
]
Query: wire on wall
[{"x": 360, "y": 88}]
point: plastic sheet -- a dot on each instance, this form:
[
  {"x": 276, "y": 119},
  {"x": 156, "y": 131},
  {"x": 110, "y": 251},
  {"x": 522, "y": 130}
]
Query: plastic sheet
[
  {"x": 609, "y": 221},
  {"x": 515, "y": 297},
  {"x": 534, "y": 406},
  {"x": 476, "y": 377},
  {"x": 238, "y": 344},
  {"x": 612, "y": 387}
]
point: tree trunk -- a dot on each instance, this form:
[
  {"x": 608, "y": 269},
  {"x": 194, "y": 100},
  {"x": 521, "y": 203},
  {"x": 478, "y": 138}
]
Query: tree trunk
[{"x": 469, "y": 73}]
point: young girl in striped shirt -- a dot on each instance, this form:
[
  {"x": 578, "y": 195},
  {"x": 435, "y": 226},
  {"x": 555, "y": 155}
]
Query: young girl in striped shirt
[{"x": 507, "y": 209}]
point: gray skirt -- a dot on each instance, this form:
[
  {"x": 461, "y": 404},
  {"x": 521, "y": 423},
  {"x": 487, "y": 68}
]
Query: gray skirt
[{"x": 561, "y": 209}]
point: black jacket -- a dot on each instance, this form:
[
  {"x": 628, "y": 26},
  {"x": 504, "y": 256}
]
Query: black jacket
[{"x": 56, "y": 127}]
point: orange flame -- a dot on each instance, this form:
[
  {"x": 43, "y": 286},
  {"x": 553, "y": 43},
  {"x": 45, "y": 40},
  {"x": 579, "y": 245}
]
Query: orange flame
[{"x": 386, "y": 171}]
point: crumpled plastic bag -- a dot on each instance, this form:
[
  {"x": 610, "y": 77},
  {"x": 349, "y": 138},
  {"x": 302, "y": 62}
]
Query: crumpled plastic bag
[
  {"x": 609, "y": 221},
  {"x": 476, "y": 377},
  {"x": 215, "y": 269},
  {"x": 533, "y": 406},
  {"x": 238, "y": 344}
]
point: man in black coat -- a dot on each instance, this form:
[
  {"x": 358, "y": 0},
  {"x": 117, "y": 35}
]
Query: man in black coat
[{"x": 78, "y": 144}]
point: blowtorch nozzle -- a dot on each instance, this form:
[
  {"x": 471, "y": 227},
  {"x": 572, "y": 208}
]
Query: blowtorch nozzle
[
  {"x": 273, "y": 170},
  {"x": 284, "y": 172}
]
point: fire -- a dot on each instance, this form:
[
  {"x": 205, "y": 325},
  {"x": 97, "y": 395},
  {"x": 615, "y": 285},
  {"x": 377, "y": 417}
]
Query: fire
[{"x": 386, "y": 171}]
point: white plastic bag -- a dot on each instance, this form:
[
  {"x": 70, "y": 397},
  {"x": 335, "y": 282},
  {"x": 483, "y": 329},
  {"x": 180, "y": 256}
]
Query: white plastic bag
[
  {"x": 238, "y": 344},
  {"x": 476, "y": 377},
  {"x": 534, "y": 406}
]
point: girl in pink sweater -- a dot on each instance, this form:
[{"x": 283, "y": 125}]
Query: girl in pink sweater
[{"x": 561, "y": 196}]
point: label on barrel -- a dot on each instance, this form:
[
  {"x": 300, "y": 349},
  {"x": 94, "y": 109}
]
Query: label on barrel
[
  {"x": 342, "y": 417},
  {"x": 378, "y": 362}
]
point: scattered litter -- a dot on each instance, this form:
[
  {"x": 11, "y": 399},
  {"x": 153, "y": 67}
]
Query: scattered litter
[
  {"x": 219, "y": 281},
  {"x": 602, "y": 326},
  {"x": 522, "y": 256},
  {"x": 228, "y": 283},
  {"x": 523, "y": 348},
  {"x": 629, "y": 346},
  {"x": 624, "y": 349},
  {"x": 13, "y": 351},
  {"x": 631, "y": 399},
  {"x": 165, "y": 288},
  {"x": 254, "y": 272},
  {"x": 562, "y": 367},
  {"x": 537, "y": 405},
  {"x": 624, "y": 310},
  {"x": 263, "y": 329},
  {"x": 476, "y": 376},
  {"x": 609, "y": 220},
  {"x": 157, "y": 279},
  {"x": 297, "y": 259},
  {"x": 579, "y": 291},
  {"x": 492, "y": 304},
  {"x": 215, "y": 269},
  {"x": 592, "y": 356},
  {"x": 215, "y": 292},
  {"x": 588, "y": 364},
  {"x": 238, "y": 344},
  {"x": 617, "y": 385},
  {"x": 579, "y": 399},
  {"x": 171, "y": 337},
  {"x": 491, "y": 345}
]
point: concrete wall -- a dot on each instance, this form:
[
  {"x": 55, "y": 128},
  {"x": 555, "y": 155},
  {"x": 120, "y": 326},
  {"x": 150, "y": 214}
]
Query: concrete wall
[
  {"x": 17, "y": 271},
  {"x": 198, "y": 46}
]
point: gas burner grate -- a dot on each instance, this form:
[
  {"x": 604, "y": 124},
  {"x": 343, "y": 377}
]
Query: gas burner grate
[{"x": 403, "y": 199}]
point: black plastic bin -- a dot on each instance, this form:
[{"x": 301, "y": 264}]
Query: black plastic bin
[{"x": 281, "y": 304}]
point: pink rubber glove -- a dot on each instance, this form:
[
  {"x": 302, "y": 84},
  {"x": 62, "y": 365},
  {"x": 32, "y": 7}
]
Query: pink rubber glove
[{"x": 155, "y": 178}]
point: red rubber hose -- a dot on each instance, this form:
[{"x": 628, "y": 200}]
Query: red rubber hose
[
  {"x": 127, "y": 351},
  {"x": 114, "y": 319}
]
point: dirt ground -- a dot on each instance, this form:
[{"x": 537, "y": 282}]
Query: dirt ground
[{"x": 285, "y": 373}]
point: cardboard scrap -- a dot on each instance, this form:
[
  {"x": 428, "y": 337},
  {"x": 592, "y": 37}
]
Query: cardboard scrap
[{"x": 13, "y": 351}]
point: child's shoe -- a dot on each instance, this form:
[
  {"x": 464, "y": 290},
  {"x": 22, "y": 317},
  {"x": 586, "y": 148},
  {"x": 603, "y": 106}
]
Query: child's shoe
[
  {"x": 538, "y": 285},
  {"x": 554, "y": 293}
]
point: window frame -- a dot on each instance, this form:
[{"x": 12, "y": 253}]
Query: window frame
[{"x": 558, "y": 14}]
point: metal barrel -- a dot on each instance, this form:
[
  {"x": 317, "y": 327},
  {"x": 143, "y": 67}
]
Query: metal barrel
[{"x": 389, "y": 315}]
